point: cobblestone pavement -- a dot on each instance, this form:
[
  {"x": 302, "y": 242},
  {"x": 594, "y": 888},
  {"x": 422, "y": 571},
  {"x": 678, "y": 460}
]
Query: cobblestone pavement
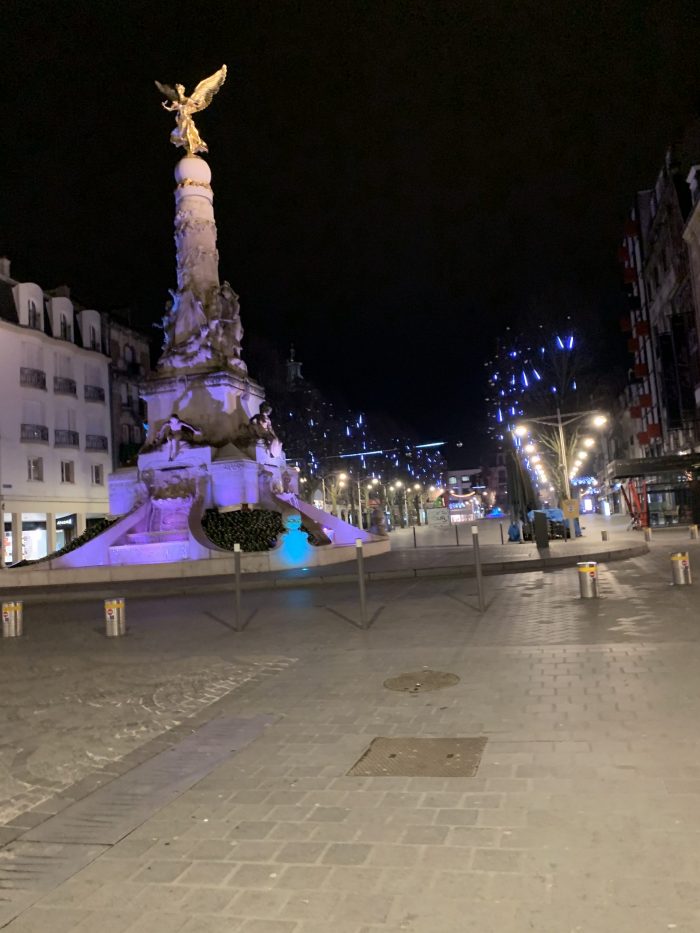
[
  {"x": 74, "y": 701},
  {"x": 584, "y": 814}
]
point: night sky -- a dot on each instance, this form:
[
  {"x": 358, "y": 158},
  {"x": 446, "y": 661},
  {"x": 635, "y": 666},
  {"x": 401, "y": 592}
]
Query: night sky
[{"x": 394, "y": 181}]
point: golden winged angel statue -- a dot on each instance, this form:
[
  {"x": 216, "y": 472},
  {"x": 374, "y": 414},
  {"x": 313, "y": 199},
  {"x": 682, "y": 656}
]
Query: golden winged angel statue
[{"x": 185, "y": 133}]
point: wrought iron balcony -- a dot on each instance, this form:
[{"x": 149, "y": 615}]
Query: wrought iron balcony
[
  {"x": 94, "y": 394},
  {"x": 64, "y": 386},
  {"x": 34, "y": 433},
  {"x": 32, "y": 377},
  {"x": 63, "y": 438},
  {"x": 96, "y": 442}
]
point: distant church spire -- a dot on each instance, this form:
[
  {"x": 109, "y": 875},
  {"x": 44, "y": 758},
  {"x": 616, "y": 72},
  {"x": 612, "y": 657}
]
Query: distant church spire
[{"x": 293, "y": 368}]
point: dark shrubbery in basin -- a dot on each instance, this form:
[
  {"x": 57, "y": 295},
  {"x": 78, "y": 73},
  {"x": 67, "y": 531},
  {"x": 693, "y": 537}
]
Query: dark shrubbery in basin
[{"x": 255, "y": 530}]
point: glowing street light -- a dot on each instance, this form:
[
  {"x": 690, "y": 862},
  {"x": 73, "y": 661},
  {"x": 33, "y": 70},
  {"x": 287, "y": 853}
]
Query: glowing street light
[
  {"x": 599, "y": 421},
  {"x": 520, "y": 430},
  {"x": 529, "y": 448},
  {"x": 588, "y": 442}
]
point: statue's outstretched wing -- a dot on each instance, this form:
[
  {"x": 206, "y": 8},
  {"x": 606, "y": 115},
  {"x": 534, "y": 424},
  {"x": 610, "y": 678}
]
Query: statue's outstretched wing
[
  {"x": 168, "y": 92},
  {"x": 205, "y": 90}
]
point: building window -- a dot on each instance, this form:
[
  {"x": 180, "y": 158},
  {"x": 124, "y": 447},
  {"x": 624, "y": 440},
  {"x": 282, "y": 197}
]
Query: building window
[
  {"x": 67, "y": 471},
  {"x": 126, "y": 434},
  {"x": 35, "y": 469},
  {"x": 97, "y": 474},
  {"x": 466, "y": 479},
  {"x": 34, "y": 318},
  {"x": 66, "y": 329},
  {"x": 94, "y": 343},
  {"x": 129, "y": 353},
  {"x": 452, "y": 481}
]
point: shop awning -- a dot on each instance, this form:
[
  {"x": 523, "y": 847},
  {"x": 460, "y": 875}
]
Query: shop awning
[{"x": 654, "y": 466}]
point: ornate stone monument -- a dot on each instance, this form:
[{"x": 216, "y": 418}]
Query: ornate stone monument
[{"x": 211, "y": 440}]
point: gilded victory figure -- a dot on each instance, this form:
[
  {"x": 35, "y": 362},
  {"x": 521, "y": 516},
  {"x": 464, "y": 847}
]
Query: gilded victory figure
[{"x": 185, "y": 133}]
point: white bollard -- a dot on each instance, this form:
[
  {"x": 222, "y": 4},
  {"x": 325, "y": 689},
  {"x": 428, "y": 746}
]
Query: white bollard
[
  {"x": 115, "y": 617},
  {"x": 588, "y": 579},
  {"x": 680, "y": 569},
  {"x": 693, "y": 532},
  {"x": 12, "y": 619},
  {"x": 647, "y": 534}
]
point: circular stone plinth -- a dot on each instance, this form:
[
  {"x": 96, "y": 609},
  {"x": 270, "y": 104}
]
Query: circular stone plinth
[{"x": 421, "y": 681}]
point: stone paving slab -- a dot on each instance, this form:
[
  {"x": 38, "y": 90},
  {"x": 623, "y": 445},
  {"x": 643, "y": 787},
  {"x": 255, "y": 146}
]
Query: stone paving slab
[
  {"x": 584, "y": 813},
  {"x": 111, "y": 812}
]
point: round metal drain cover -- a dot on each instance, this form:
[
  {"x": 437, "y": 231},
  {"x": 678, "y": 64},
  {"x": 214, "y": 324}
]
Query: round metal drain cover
[{"x": 421, "y": 681}]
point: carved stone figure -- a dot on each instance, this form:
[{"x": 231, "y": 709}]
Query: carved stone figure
[
  {"x": 261, "y": 425},
  {"x": 176, "y": 433},
  {"x": 260, "y": 428},
  {"x": 203, "y": 332},
  {"x": 185, "y": 133}
]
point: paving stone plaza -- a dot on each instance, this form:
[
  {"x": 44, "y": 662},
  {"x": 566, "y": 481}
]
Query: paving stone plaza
[{"x": 583, "y": 813}]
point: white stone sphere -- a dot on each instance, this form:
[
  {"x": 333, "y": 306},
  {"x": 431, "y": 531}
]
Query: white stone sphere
[{"x": 193, "y": 169}]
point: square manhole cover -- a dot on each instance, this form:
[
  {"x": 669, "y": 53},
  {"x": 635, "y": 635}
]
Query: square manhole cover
[{"x": 409, "y": 757}]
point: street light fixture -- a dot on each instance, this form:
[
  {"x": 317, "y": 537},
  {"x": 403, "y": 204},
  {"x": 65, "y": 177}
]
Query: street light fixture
[
  {"x": 588, "y": 442},
  {"x": 559, "y": 421}
]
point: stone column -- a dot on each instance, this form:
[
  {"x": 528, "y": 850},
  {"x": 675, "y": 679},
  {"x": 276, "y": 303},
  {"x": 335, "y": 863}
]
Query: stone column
[
  {"x": 50, "y": 532},
  {"x": 81, "y": 522},
  {"x": 16, "y": 537},
  {"x": 195, "y": 228}
]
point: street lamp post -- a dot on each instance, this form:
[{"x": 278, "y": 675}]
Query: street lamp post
[{"x": 562, "y": 445}]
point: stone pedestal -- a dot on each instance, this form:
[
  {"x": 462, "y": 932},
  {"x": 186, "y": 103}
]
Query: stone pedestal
[{"x": 219, "y": 404}]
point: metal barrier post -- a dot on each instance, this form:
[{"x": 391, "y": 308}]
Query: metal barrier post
[
  {"x": 12, "y": 619},
  {"x": 500, "y": 528},
  {"x": 115, "y": 617},
  {"x": 237, "y": 623},
  {"x": 414, "y": 537},
  {"x": 693, "y": 532},
  {"x": 680, "y": 569},
  {"x": 604, "y": 536},
  {"x": 647, "y": 534},
  {"x": 477, "y": 567},
  {"x": 588, "y": 579},
  {"x": 361, "y": 581},
  {"x": 457, "y": 534}
]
